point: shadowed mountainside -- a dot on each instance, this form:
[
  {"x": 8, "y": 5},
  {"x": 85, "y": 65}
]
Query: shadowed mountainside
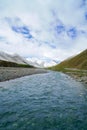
[
  {"x": 7, "y": 60},
  {"x": 12, "y": 64}
]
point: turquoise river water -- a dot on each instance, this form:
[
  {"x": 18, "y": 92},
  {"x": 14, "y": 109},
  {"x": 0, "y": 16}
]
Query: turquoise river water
[{"x": 50, "y": 101}]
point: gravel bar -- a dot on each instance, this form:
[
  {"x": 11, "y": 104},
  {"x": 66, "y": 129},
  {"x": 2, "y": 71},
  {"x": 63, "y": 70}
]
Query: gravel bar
[{"x": 7, "y": 73}]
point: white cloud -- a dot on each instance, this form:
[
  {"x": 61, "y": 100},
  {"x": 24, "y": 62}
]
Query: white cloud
[{"x": 41, "y": 18}]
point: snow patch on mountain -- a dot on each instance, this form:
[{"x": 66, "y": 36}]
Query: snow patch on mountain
[{"x": 36, "y": 62}]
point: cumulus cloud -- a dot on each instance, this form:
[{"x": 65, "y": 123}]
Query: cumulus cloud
[{"x": 43, "y": 29}]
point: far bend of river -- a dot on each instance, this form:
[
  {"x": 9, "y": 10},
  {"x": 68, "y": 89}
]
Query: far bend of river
[{"x": 50, "y": 101}]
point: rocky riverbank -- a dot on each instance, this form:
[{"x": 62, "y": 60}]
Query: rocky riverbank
[
  {"x": 80, "y": 76},
  {"x": 7, "y": 73}
]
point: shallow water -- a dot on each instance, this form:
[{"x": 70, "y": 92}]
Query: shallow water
[{"x": 50, "y": 101}]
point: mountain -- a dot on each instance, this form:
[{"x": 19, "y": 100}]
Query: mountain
[
  {"x": 15, "y": 60},
  {"x": 77, "y": 62},
  {"x": 42, "y": 63},
  {"x": 36, "y": 62}
]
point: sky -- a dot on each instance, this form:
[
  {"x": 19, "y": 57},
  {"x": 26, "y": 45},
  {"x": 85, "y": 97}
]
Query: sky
[{"x": 43, "y": 30}]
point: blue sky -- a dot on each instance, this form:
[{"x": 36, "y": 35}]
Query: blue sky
[{"x": 43, "y": 30}]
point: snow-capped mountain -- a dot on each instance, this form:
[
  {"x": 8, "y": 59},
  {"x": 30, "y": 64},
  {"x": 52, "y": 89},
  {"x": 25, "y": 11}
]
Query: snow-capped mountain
[
  {"x": 19, "y": 59},
  {"x": 29, "y": 61},
  {"x": 13, "y": 58},
  {"x": 42, "y": 62}
]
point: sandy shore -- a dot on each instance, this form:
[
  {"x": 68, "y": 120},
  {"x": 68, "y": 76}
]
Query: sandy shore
[{"x": 7, "y": 73}]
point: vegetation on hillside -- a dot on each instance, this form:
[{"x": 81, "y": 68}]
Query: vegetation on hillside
[
  {"x": 78, "y": 62},
  {"x": 12, "y": 64},
  {"x": 76, "y": 67}
]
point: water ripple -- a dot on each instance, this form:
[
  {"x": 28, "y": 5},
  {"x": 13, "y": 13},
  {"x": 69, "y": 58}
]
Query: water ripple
[{"x": 51, "y": 101}]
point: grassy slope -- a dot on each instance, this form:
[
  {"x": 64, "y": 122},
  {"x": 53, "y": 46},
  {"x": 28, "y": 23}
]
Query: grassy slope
[
  {"x": 78, "y": 62},
  {"x": 76, "y": 67},
  {"x": 12, "y": 64}
]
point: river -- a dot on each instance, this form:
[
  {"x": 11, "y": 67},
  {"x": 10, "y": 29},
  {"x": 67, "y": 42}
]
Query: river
[{"x": 50, "y": 101}]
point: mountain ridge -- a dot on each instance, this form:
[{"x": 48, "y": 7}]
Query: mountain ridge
[
  {"x": 15, "y": 58},
  {"x": 79, "y": 62},
  {"x": 7, "y": 60}
]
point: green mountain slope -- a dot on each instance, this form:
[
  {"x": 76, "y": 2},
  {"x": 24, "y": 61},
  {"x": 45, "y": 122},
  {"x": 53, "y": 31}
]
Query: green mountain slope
[
  {"x": 78, "y": 62},
  {"x": 12, "y": 64}
]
